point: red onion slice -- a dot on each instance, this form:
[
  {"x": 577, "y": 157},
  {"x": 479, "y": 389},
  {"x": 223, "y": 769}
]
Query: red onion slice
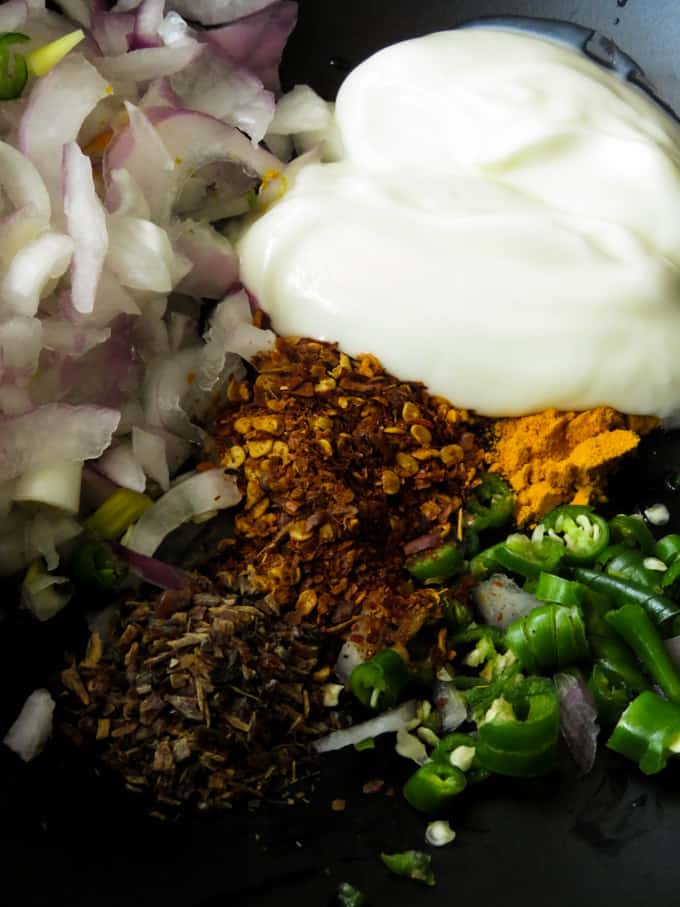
[
  {"x": 73, "y": 88},
  {"x": 501, "y": 601},
  {"x": 196, "y": 496},
  {"x": 21, "y": 339},
  {"x": 149, "y": 62},
  {"x": 450, "y": 705},
  {"x": 217, "y": 12},
  {"x": 147, "y": 23},
  {"x": 13, "y": 14},
  {"x": 16, "y": 231},
  {"x": 112, "y": 32},
  {"x": 231, "y": 331},
  {"x": 389, "y": 722},
  {"x": 215, "y": 263},
  {"x": 257, "y": 42},
  {"x": 86, "y": 224},
  {"x": 141, "y": 255},
  {"x": 22, "y": 183},
  {"x": 32, "y": 729},
  {"x": 55, "y": 431},
  {"x": 578, "y": 720},
  {"x": 150, "y": 569}
]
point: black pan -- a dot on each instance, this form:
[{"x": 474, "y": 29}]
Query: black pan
[{"x": 69, "y": 838}]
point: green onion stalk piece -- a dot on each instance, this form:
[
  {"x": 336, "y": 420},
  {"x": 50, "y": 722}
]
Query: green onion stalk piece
[{"x": 117, "y": 514}]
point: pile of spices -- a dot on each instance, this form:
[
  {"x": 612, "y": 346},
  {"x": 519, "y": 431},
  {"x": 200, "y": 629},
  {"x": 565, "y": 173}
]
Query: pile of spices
[
  {"x": 555, "y": 457},
  {"x": 344, "y": 471},
  {"x": 200, "y": 697}
]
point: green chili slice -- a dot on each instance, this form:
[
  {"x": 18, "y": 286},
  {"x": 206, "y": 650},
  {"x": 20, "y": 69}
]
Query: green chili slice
[
  {"x": 667, "y": 549},
  {"x": 434, "y": 786},
  {"x": 632, "y": 531},
  {"x": 438, "y": 563},
  {"x": 379, "y": 682},
  {"x": 13, "y": 69},
  {"x": 648, "y": 732},
  {"x": 551, "y": 636},
  {"x": 528, "y": 557},
  {"x": 584, "y": 533},
  {"x": 492, "y": 503},
  {"x": 559, "y": 591}
]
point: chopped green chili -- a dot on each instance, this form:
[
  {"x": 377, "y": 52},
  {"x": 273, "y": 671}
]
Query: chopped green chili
[
  {"x": 662, "y": 610},
  {"x": 434, "y": 786},
  {"x": 558, "y": 591},
  {"x": 492, "y": 503},
  {"x": 13, "y": 69},
  {"x": 349, "y": 896},
  {"x": 92, "y": 566},
  {"x": 667, "y": 549},
  {"x": 632, "y": 531},
  {"x": 529, "y": 557},
  {"x": 551, "y": 636},
  {"x": 411, "y": 864},
  {"x": 634, "y": 625},
  {"x": 648, "y": 732},
  {"x": 379, "y": 682},
  {"x": 437, "y": 563},
  {"x": 583, "y": 532}
]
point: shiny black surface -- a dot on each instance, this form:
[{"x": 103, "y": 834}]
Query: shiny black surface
[{"x": 69, "y": 837}]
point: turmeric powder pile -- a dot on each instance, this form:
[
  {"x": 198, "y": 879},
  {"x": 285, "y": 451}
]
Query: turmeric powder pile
[{"x": 556, "y": 457}]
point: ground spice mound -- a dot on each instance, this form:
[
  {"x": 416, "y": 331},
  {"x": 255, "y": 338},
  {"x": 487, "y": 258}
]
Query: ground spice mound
[
  {"x": 344, "y": 470},
  {"x": 554, "y": 457},
  {"x": 201, "y": 697}
]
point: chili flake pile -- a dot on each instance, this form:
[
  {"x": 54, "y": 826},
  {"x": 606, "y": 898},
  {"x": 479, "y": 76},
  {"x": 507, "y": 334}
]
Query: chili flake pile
[{"x": 344, "y": 471}]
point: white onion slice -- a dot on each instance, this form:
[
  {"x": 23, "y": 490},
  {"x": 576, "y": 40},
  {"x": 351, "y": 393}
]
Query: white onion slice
[
  {"x": 121, "y": 466},
  {"x": 42, "y": 260},
  {"x": 450, "y": 705},
  {"x": 56, "y": 109},
  {"x": 22, "y": 183},
  {"x": 32, "y": 729},
  {"x": 501, "y": 601},
  {"x": 55, "y": 431},
  {"x": 56, "y": 484},
  {"x": 16, "y": 231},
  {"x": 386, "y": 723},
  {"x": 86, "y": 224},
  {"x": 149, "y": 62},
  {"x": 194, "y": 497},
  {"x": 151, "y": 454},
  {"x": 47, "y": 532},
  {"x": 231, "y": 331},
  {"x": 300, "y": 110},
  {"x": 215, "y": 12},
  {"x": 13, "y": 14},
  {"x": 140, "y": 254},
  {"x": 215, "y": 263},
  {"x": 21, "y": 339},
  {"x": 123, "y": 195}
]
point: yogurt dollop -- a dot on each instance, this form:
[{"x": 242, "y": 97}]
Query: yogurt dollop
[{"x": 504, "y": 225}]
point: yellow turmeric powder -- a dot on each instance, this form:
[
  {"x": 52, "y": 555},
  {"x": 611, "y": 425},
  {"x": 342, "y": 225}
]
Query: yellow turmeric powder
[{"x": 556, "y": 457}]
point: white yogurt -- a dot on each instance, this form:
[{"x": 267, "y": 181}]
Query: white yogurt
[{"x": 504, "y": 225}]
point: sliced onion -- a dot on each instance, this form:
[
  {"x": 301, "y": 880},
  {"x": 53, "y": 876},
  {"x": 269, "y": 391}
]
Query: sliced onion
[
  {"x": 55, "y": 484},
  {"x": 410, "y": 747},
  {"x": 47, "y": 532},
  {"x": 231, "y": 331},
  {"x": 151, "y": 454},
  {"x": 112, "y": 32},
  {"x": 16, "y": 231},
  {"x": 13, "y": 14},
  {"x": 69, "y": 339},
  {"x": 150, "y": 62},
  {"x": 578, "y": 719},
  {"x": 348, "y": 659},
  {"x": 159, "y": 94},
  {"x": 21, "y": 339},
  {"x": 112, "y": 300},
  {"x": 22, "y": 183},
  {"x": 389, "y": 722},
  {"x": 57, "y": 107},
  {"x": 501, "y": 601},
  {"x": 257, "y": 42},
  {"x": 86, "y": 224},
  {"x": 32, "y": 729},
  {"x": 44, "y": 594},
  {"x": 215, "y": 86},
  {"x": 215, "y": 12},
  {"x": 194, "y": 140},
  {"x": 167, "y": 384},
  {"x": 215, "y": 263},
  {"x": 450, "y": 705},
  {"x": 141, "y": 255},
  {"x": 196, "y": 496},
  {"x": 55, "y": 431},
  {"x": 300, "y": 110},
  {"x": 151, "y": 570},
  {"x": 123, "y": 196},
  {"x": 148, "y": 20},
  {"x": 140, "y": 151},
  {"x": 43, "y": 260},
  {"x": 78, "y": 10},
  {"x": 173, "y": 29},
  {"x": 121, "y": 466}
]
